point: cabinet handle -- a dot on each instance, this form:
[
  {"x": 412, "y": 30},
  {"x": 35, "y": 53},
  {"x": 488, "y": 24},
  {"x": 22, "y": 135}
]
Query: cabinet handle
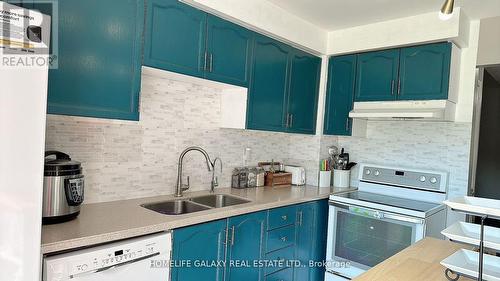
[
  {"x": 392, "y": 87},
  {"x": 347, "y": 124},
  {"x": 211, "y": 62},
  {"x": 232, "y": 235},
  {"x": 205, "y": 64},
  {"x": 300, "y": 218},
  {"x": 283, "y": 238},
  {"x": 287, "y": 120},
  {"x": 399, "y": 87},
  {"x": 291, "y": 120},
  {"x": 284, "y": 218}
]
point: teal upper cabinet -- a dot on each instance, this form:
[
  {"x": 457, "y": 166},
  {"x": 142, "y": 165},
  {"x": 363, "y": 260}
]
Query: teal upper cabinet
[
  {"x": 245, "y": 243},
  {"x": 340, "y": 95},
  {"x": 185, "y": 40},
  {"x": 283, "y": 92},
  {"x": 229, "y": 51},
  {"x": 202, "y": 242},
  {"x": 99, "y": 57},
  {"x": 424, "y": 72},
  {"x": 303, "y": 93},
  {"x": 377, "y": 76},
  {"x": 268, "y": 88},
  {"x": 175, "y": 37},
  {"x": 311, "y": 231}
]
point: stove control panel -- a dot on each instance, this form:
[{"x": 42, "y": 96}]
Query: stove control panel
[{"x": 416, "y": 179}]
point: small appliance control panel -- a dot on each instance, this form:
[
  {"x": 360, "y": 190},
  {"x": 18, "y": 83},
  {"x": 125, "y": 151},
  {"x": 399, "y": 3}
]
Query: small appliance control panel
[
  {"x": 418, "y": 179},
  {"x": 102, "y": 257}
]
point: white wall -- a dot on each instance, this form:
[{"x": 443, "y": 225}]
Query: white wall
[
  {"x": 267, "y": 18},
  {"x": 399, "y": 32},
  {"x": 489, "y": 42}
]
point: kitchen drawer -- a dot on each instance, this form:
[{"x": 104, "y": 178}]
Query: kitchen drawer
[
  {"x": 284, "y": 255},
  {"x": 281, "y": 217},
  {"x": 283, "y": 275},
  {"x": 280, "y": 238}
]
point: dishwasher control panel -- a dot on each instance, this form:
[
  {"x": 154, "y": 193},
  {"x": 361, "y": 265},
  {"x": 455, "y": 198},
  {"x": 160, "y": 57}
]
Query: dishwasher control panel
[{"x": 104, "y": 257}]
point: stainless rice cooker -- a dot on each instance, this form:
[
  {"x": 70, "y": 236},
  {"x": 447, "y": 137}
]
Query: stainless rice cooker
[{"x": 63, "y": 188}]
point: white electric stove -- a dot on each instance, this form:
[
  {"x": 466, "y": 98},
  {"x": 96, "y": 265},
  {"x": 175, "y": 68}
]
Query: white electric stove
[{"x": 392, "y": 209}]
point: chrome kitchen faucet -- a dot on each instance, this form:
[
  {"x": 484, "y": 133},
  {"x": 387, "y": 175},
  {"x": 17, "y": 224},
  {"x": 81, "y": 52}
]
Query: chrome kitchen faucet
[
  {"x": 215, "y": 182},
  {"x": 183, "y": 187}
]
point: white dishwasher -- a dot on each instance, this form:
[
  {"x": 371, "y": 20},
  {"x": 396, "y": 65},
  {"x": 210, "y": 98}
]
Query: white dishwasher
[{"x": 142, "y": 258}]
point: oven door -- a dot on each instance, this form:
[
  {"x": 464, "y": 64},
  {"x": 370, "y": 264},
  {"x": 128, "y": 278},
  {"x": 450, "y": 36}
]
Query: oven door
[{"x": 360, "y": 238}]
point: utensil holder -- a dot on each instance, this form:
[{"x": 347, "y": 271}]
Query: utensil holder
[
  {"x": 341, "y": 178},
  {"x": 324, "y": 178}
]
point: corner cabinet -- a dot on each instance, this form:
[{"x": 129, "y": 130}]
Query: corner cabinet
[
  {"x": 303, "y": 94},
  {"x": 183, "y": 39},
  {"x": 98, "y": 48},
  {"x": 340, "y": 95},
  {"x": 283, "y": 92}
]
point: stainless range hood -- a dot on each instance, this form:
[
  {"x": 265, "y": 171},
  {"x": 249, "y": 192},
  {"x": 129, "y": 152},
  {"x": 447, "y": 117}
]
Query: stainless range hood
[{"x": 431, "y": 110}]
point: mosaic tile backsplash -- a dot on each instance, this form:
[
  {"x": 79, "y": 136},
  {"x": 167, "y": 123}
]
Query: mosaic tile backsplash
[
  {"x": 124, "y": 160},
  {"x": 443, "y": 146}
]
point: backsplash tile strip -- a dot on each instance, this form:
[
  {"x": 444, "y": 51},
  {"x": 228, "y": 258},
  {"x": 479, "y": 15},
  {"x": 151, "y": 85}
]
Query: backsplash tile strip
[{"x": 124, "y": 159}]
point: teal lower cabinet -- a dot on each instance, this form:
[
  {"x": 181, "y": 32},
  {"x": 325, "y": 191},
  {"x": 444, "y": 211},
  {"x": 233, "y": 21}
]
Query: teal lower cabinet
[
  {"x": 245, "y": 243},
  {"x": 261, "y": 246},
  {"x": 282, "y": 275},
  {"x": 202, "y": 242},
  {"x": 311, "y": 231}
]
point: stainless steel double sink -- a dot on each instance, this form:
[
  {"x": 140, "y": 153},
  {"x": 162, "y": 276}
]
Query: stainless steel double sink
[{"x": 195, "y": 204}]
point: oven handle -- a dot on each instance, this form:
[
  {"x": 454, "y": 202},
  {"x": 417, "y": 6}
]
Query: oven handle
[{"x": 382, "y": 214}]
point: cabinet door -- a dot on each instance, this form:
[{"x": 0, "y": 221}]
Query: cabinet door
[
  {"x": 99, "y": 46},
  {"x": 340, "y": 95},
  {"x": 425, "y": 72},
  {"x": 311, "y": 233},
  {"x": 268, "y": 87},
  {"x": 303, "y": 94},
  {"x": 175, "y": 37},
  {"x": 377, "y": 74},
  {"x": 229, "y": 48},
  {"x": 246, "y": 238},
  {"x": 202, "y": 242}
]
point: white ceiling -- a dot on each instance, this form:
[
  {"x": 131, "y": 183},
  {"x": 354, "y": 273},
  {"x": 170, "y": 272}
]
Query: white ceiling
[{"x": 338, "y": 14}]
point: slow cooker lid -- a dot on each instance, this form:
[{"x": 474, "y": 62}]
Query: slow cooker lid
[{"x": 61, "y": 163}]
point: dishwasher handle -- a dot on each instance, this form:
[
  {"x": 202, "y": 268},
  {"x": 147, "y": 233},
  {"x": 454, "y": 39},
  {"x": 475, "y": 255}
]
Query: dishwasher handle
[{"x": 115, "y": 266}]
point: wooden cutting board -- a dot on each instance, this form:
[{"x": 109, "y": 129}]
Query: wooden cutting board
[{"x": 419, "y": 262}]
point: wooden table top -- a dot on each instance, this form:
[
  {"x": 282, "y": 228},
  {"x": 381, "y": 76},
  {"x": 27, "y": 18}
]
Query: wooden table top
[{"x": 421, "y": 262}]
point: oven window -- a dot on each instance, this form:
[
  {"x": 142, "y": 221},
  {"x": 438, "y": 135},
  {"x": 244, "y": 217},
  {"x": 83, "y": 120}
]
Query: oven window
[{"x": 369, "y": 241}]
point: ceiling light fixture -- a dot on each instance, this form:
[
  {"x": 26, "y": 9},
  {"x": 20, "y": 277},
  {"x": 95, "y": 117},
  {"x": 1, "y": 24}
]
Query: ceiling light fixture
[{"x": 447, "y": 10}]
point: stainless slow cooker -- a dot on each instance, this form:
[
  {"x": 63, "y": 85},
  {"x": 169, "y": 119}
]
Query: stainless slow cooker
[{"x": 63, "y": 188}]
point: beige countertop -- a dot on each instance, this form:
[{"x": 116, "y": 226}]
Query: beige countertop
[
  {"x": 421, "y": 262},
  {"x": 110, "y": 221}
]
